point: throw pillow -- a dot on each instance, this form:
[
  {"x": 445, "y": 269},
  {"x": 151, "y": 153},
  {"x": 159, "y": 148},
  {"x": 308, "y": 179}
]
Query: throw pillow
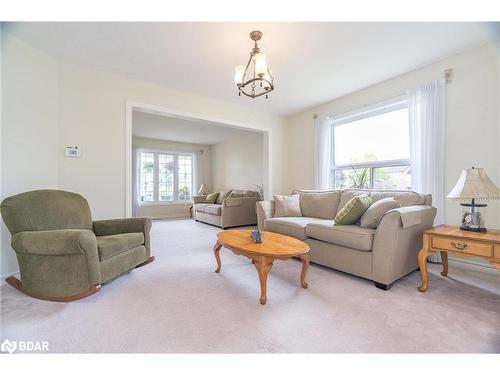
[
  {"x": 287, "y": 205},
  {"x": 371, "y": 218},
  {"x": 353, "y": 210},
  {"x": 211, "y": 198}
]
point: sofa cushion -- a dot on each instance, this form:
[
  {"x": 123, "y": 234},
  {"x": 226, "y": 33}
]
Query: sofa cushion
[
  {"x": 200, "y": 207},
  {"x": 372, "y": 216},
  {"x": 246, "y": 193},
  {"x": 352, "y": 236},
  {"x": 291, "y": 226},
  {"x": 235, "y": 195},
  {"x": 405, "y": 198},
  {"x": 323, "y": 205},
  {"x": 222, "y": 195},
  {"x": 353, "y": 210},
  {"x": 107, "y": 246},
  {"x": 287, "y": 205},
  {"x": 211, "y": 198},
  {"x": 213, "y": 209}
]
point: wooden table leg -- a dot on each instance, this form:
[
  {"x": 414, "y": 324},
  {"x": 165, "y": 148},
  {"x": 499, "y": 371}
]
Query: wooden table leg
[
  {"x": 263, "y": 265},
  {"x": 444, "y": 258},
  {"x": 217, "y": 248},
  {"x": 422, "y": 263},
  {"x": 304, "y": 258}
]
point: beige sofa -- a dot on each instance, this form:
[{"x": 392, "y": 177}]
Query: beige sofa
[
  {"x": 384, "y": 254},
  {"x": 232, "y": 208}
]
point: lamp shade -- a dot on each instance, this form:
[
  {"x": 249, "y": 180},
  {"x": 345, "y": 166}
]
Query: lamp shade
[
  {"x": 474, "y": 183},
  {"x": 203, "y": 189}
]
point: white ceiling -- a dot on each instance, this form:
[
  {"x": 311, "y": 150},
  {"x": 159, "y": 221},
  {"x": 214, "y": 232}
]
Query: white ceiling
[
  {"x": 153, "y": 126},
  {"x": 312, "y": 62}
]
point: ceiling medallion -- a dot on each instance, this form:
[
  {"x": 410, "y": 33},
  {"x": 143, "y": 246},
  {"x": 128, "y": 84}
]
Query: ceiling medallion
[{"x": 255, "y": 79}]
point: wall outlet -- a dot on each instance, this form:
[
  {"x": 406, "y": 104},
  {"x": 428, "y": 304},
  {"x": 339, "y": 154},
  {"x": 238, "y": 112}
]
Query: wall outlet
[{"x": 72, "y": 152}]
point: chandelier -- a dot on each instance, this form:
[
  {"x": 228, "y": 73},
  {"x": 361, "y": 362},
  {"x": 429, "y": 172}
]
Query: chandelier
[{"x": 254, "y": 79}]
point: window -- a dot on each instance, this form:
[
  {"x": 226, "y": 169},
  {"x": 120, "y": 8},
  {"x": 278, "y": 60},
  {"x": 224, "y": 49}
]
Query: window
[
  {"x": 147, "y": 177},
  {"x": 372, "y": 148},
  {"x": 185, "y": 177},
  {"x": 165, "y": 177}
]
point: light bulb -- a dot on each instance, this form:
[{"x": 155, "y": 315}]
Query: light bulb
[
  {"x": 260, "y": 63},
  {"x": 239, "y": 71}
]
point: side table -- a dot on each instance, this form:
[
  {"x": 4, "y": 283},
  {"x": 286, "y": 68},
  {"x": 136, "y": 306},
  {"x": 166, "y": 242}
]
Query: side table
[{"x": 451, "y": 239}]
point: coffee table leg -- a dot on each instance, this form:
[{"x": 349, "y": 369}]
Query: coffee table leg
[
  {"x": 305, "y": 266},
  {"x": 263, "y": 265},
  {"x": 217, "y": 248}
]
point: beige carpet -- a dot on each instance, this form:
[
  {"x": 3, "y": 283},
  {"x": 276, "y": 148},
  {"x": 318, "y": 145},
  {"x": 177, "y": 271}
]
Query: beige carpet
[{"x": 178, "y": 304}]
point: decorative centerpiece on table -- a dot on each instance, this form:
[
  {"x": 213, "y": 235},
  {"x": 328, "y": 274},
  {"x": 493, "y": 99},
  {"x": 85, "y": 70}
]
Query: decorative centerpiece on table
[{"x": 256, "y": 235}]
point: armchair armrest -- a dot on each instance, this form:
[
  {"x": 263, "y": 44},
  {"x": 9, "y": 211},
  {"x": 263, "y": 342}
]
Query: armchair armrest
[
  {"x": 57, "y": 263},
  {"x": 115, "y": 226},
  {"x": 199, "y": 199},
  {"x": 55, "y": 242},
  {"x": 265, "y": 210},
  {"x": 130, "y": 225},
  {"x": 397, "y": 241}
]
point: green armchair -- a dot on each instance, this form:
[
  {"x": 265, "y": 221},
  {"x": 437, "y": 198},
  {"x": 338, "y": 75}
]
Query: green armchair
[{"x": 63, "y": 255}]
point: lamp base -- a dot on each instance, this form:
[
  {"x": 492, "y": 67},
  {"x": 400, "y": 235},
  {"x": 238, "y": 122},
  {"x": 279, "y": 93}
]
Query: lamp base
[{"x": 482, "y": 230}]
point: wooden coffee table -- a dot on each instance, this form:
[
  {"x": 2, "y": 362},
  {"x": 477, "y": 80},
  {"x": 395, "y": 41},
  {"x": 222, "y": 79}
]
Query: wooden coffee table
[{"x": 274, "y": 246}]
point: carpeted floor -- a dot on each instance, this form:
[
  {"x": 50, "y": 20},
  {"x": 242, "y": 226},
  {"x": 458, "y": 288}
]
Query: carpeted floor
[{"x": 178, "y": 304}]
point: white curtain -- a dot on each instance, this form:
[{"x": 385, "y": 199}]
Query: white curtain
[
  {"x": 197, "y": 171},
  {"x": 426, "y": 107},
  {"x": 136, "y": 201},
  {"x": 323, "y": 151}
]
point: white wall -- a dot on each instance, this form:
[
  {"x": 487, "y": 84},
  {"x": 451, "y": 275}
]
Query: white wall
[
  {"x": 237, "y": 163},
  {"x": 92, "y": 116},
  {"x": 472, "y": 121},
  {"x": 169, "y": 210},
  {"x": 30, "y": 149}
]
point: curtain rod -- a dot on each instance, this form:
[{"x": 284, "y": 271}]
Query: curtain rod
[{"x": 447, "y": 77}]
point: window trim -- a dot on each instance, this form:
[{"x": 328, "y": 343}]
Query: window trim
[
  {"x": 156, "y": 175},
  {"x": 390, "y": 105}
]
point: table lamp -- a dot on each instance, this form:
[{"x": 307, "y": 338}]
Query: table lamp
[
  {"x": 203, "y": 190},
  {"x": 473, "y": 185}
]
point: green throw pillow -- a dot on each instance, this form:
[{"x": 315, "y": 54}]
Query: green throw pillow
[
  {"x": 211, "y": 198},
  {"x": 353, "y": 210}
]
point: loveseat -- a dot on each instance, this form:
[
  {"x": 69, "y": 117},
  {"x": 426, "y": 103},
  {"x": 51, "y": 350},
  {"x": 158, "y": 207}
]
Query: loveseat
[
  {"x": 232, "y": 208},
  {"x": 383, "y": 254}
]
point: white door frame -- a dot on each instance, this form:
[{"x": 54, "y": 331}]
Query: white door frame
[{"x": 163, "y": 111}]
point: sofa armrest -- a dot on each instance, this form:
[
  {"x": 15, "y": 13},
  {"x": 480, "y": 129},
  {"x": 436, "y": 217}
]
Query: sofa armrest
[
  {"x": 239, "y": 211},
  {"x": 265, "y": 210},
  {"x": 199, "y": 199},
  {"x": 396, "y": 245}
]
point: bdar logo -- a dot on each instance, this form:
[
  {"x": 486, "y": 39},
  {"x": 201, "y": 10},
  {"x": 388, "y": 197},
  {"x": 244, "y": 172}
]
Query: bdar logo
[{"x": 8, "y": 346}]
